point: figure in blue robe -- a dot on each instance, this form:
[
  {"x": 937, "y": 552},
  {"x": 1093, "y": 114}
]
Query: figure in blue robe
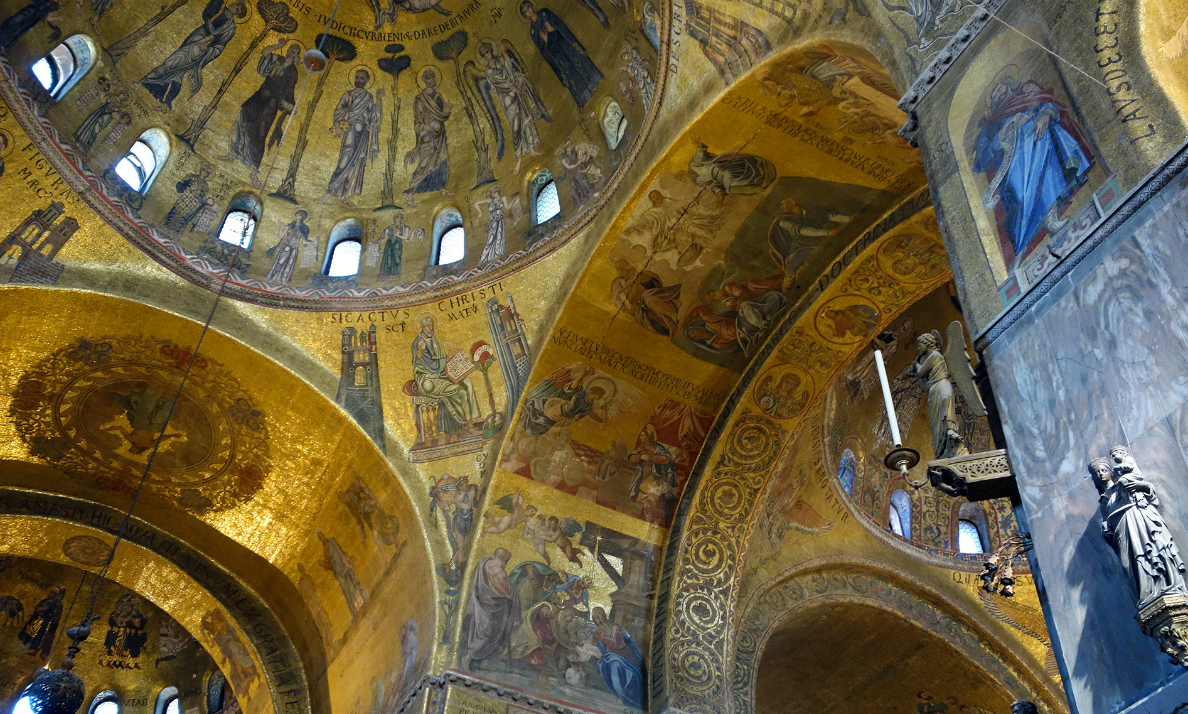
[
  {"x": 621, "y": 664},
  {"x": 1034, "y": 157},
  {"x": 563, "y": 52}
]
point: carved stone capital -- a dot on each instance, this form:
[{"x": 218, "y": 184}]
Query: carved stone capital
[
  {"x": 978, "y": 477},
  {"x": 1166, "y": 619}
]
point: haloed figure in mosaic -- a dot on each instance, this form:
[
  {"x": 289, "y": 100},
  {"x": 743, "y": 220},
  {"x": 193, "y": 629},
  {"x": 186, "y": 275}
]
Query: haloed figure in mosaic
[
  {"x": 357, "y": 121},
  {"x": 568, "y": 58},
  {"x": 431, "y": 153},
  {"x": 1131, "y": 522},
  {"x": 259, "y": 112},
  {"x": 1034, "y": 157},
  {"x": 199, "y": 49}
]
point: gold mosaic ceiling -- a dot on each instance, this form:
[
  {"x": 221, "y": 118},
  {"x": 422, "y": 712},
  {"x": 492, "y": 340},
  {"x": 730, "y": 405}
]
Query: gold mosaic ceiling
[{"x": 424, "y": 110}]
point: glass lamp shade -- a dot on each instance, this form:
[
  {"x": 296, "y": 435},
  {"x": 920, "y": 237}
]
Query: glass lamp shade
[
  {"x": 314, "y": 60},
  {"x": 57, "y": 691}
]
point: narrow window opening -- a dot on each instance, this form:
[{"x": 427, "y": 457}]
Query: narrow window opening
[
  {"x": 344, "y": 259},
  {"x": 64, "y": 65},
  {"x": 139, "y": 166},
  {"x": 548, "y": 204},
  {"x": 900, "y": 514},
  {"x": 453, "y": 246},
  {"x": 969, "y": 540}
]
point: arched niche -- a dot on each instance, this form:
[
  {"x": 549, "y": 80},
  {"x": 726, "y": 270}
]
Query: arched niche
[
  {"x": 328, "y": 535},
  {"x": 864, "y": 659},
  {"x": 269, "y": 664},
  {"x": 860, "y": 636}
]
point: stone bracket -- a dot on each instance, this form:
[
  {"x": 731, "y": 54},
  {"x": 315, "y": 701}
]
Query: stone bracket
[
  {"x": 977, "y": 477},
  {"x": 1166, "y": 620}
]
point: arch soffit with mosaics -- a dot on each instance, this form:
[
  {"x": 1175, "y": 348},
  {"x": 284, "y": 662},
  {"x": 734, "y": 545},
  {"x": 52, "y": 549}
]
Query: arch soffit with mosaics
[
  {"x": 244, "y": 589},
  {"x": 736, "y": 465},
  {"x": 822, "y": 582}
]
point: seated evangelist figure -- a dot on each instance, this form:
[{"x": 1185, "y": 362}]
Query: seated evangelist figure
[{"x": 430, "y": 359}]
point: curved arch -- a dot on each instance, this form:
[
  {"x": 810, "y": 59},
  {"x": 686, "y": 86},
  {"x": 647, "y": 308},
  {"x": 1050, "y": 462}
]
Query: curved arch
[
  {"x": 745, "y": 450},
  {"x": 281, "y": 626},
  {"x": 449, "y": 238},
  {"x": 164, "y": 698},
  {"x": 144, "y": 160},
  {"x": 826, "y": 582},
  {"x": 60, "y": 69}
]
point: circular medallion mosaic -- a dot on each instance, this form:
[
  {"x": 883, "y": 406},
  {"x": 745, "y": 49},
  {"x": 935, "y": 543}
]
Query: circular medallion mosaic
[{"x": 106, "y": 410}]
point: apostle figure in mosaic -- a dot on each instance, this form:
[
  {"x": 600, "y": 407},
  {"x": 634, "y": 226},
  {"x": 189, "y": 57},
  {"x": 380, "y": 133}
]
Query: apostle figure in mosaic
[
  {"x": 568, "y": 58},
  {"x": 340, "y": 564},
  {"x": 284, "y": 253},
  {"x": 430, "y": 360},
  {"x": 38, "y": 633},
  {"x": 1131, "y": 522},
  {"x": 199, "y": 49},
  {"x": 126, "y": 635},
  {"x": 259, "y": 112},
  {"x": 431, "y": 153},
  {"x": 357, "y": 120}
]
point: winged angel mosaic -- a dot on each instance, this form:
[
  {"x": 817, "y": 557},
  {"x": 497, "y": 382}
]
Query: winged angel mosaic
[
  {"x": 504, "y": 79},
  {"x": 952, "y": 414}
]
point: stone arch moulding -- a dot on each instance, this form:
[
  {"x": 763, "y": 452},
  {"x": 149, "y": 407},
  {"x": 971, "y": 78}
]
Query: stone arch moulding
[
  {"x": 713, "y": 523},
  {"x": 288, "y": 675},
  {"x": 833, "y": 580},
  {"x": 116, "y": 210}
]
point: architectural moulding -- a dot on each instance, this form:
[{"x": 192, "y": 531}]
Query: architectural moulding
[
  {"x": 941, "y": 64},
  {"x": 835, "y": 580},
  {"x": 283, "y": 668}
]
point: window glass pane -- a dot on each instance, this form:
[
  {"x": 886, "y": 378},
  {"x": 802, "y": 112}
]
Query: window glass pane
[
  {"x": 893, "y": 521},
  {"x": 130, "y": 171},
  {"x": 968, "y": 538},
  {"x": 237, "y": 229},
  {"x": 902, "y": 504},
  {"x": 142, "y": 151},
  {"x": 452, "y": 247},
  {"x": 108, "y": 707},
  {"x": 172, "y": 707},
  {"x": 45, "y": 76},
  {"x": 547, "y": 202},
  {"x": 64, "y": 59},
  {"x": 345, "y": 260}
]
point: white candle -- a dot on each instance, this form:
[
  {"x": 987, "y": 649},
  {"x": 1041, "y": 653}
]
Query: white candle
[{"x": 891, "y": 419}]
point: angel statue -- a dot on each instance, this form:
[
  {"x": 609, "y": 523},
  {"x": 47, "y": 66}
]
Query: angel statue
[
  {"x": 505, "y": 75},
  {"x": 933, "y": 374},
  {"x": 558, "y": 531}
]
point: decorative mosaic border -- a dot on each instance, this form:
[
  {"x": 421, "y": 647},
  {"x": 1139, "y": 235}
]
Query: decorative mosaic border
[
  {"x": 714, "y": 536},
  {"x": 144, "y": 235},
  {"x": 1159, "y": 178}
]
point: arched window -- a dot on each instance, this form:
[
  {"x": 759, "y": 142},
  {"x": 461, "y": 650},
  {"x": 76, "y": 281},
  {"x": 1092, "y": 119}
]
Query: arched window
[
  {"x": 545, "y": 202},
  {"x": 140, "y": 165},
  {"x": 105, "y": 702},
  {"x": 899, "y": 514},
  {"x": 58, "y": 71},
  {"x": 344, "y": 249},
  {"x": 239, "y": 225},
  {"x": 614, "y": 124},
  {"x": 449, "y": 237},
  {"x": 167, "y": 702},
  {"x": 972, "y": 529},
  {"x": 847, "y": 466}
]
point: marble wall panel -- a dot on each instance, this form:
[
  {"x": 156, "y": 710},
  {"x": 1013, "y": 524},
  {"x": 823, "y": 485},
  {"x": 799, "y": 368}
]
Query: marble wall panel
[{"x": 1101, "y": 362}]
